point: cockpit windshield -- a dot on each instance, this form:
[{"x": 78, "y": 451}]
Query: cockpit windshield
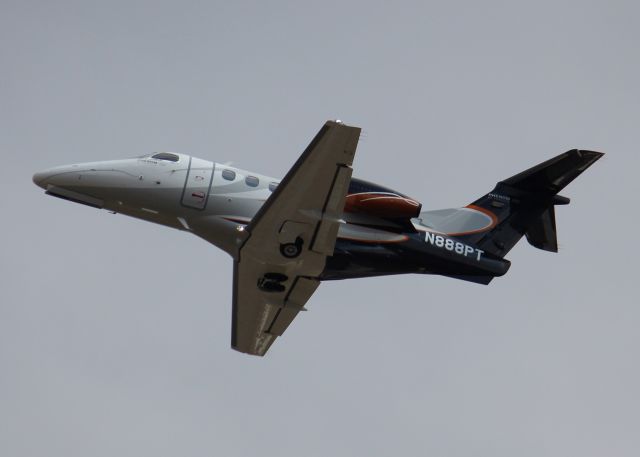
[{"x": 166, "y": 156}]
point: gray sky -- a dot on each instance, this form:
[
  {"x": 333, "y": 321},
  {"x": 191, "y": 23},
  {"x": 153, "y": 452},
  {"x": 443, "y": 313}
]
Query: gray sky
[{"x": 114, "y": 333}]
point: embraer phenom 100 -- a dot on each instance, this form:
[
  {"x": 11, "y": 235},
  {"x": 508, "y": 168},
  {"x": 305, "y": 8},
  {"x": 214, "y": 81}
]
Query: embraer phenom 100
[{"x": 318, "y": 223}]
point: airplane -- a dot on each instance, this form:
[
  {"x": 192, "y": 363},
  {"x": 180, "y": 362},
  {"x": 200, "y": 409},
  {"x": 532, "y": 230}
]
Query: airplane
[{"x": 319, "y": 223}]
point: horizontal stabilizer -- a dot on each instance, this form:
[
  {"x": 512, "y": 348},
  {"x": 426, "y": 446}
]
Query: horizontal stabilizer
[{"x": 550, "y": 177}]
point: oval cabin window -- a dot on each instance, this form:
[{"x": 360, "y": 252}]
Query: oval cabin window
[
  {"x": 252, "y": 181},
  {"x": 229, "y": 175}
]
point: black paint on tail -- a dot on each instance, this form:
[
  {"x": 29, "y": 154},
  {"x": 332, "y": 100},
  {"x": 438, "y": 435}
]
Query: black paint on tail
[{"x": 524, "y": 204}]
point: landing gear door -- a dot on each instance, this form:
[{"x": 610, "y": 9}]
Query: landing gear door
[{"x": 198, "y": 183}]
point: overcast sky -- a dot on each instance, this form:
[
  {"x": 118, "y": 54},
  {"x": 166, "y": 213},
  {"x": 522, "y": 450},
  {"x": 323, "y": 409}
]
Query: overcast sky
[{"x": 114, "y": 333}]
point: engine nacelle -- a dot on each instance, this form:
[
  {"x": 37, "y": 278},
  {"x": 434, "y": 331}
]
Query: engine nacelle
[{"x": 386, "y": 205}]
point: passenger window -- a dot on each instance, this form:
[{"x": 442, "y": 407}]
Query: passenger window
[
  {"x": 252, "y": 181},
  {"x": 272, "y": 186},
  {"x": 166, "y": 156},
  {"x": 229, "y": 175}
]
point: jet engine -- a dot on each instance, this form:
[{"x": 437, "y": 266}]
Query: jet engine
[{"x": 368, "y": 199}]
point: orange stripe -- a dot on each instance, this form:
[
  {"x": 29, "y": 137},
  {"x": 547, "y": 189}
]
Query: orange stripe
[{"x": 404, "y": 238}]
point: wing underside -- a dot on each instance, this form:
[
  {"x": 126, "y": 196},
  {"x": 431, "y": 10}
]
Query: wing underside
[{"x": 289, "y": 239}]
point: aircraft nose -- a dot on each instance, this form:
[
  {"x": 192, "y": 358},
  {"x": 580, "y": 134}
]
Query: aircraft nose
[
  {"x": 40, "y": 178},
  {"x": 56, "y": 176}
]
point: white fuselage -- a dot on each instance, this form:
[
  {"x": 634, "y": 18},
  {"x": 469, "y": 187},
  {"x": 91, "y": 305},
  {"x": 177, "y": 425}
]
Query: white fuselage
[{"x": 211, "y": 200}]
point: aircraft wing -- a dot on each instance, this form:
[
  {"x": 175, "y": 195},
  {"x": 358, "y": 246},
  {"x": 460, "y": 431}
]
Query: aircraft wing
[{"x": 289, "y": 239}]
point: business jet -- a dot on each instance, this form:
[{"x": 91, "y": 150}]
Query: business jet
[{"x": 318, "y": 223}]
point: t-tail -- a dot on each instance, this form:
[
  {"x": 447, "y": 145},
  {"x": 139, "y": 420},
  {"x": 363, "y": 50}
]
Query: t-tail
[{"x": 524, "y": 205}]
